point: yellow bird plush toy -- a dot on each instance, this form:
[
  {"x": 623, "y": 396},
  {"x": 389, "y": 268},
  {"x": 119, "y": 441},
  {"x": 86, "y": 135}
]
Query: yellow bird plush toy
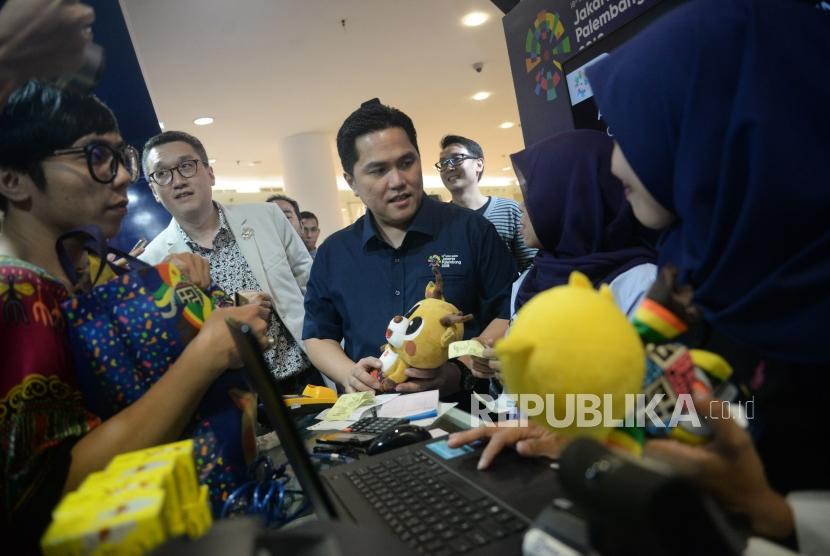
[
  {"x": 573, "y": 339},
  {"x": 422, "y": 336}
]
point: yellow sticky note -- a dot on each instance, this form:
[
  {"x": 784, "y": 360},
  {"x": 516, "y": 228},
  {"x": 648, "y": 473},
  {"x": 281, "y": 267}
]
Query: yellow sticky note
[
  {"x": 347, "y": 403},
  {"x": 466, "y": 347}
]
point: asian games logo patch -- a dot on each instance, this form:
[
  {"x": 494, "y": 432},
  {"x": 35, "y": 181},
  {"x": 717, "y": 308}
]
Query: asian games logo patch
[
  {"x": 444, "y": 261},
  {"x": 545, "y": 40}
]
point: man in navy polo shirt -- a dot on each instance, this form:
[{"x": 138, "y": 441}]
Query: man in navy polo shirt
[{"x": 378, "y": 267}]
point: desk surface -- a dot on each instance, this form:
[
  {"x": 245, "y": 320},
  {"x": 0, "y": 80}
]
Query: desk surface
[
  {"x": 236, "y": 535},
  {"x": 453, "y": 420}
]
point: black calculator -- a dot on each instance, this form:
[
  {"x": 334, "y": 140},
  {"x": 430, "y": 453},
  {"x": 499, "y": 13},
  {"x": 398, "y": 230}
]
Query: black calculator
[{"x": 375, "y": 425}]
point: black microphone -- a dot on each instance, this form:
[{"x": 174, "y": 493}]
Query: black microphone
[{"x": 642, "y": 507}]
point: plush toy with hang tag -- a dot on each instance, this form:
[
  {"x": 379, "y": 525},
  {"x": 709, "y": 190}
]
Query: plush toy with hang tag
[
  {"x": 422, "y": 336},
  {"x": 573, "y": 339}
]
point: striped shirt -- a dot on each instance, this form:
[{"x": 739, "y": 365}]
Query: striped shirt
[{"x": 506, "y": 216}]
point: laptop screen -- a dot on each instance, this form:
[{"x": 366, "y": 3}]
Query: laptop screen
[{"x": 271, "y": 395}]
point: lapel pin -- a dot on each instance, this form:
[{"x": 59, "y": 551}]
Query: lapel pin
[{"x": 247, "y": 233}]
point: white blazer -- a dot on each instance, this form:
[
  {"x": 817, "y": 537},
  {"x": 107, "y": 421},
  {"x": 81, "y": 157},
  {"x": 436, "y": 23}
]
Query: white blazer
[{"x": 272, "y": 248}]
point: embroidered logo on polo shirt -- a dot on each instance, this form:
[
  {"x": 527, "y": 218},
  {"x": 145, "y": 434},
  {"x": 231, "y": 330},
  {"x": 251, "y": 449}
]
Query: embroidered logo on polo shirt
[{"x": 444, "y": 261}]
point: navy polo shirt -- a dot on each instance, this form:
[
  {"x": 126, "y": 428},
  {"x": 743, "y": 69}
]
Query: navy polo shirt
[{"x": 359, "y": 282}]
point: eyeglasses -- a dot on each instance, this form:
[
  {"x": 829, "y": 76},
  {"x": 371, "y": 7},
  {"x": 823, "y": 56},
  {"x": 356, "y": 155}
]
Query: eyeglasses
[
  {"x": 102, "y": 160},
  {"x": 186, "y": 169},
  {"x": 452, "y": 162}
]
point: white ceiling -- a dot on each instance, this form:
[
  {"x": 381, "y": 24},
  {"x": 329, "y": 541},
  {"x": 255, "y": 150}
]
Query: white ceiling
[{"x": 268, "y": 69}]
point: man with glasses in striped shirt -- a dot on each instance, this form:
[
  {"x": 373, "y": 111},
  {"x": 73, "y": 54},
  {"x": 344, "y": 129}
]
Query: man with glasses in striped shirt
[{"x": 461, "y": 165}]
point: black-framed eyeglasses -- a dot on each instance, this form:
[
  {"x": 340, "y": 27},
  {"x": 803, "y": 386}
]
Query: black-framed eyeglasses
[
  {"x": 186, "y": 169},
  {"x": 453, "y": 162},
  {"x": 102, "y": 160}
]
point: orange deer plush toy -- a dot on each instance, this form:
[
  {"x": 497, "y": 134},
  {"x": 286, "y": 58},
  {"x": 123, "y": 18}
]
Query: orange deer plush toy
[{"x": 422, "y": 336}]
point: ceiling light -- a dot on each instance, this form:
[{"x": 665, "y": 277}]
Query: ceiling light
[
  {"x": 204, "y": 120},
  {"x": 506, "y": 125},
  {"x": 211, "y": 161},
  {"x": 481, "y": 95},
  {"x": 474, "y": 19},
  {"x": 254, "y": 162}
]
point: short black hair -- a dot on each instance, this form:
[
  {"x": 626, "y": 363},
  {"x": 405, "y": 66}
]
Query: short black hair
[
  {"x": 38, "y": 119},
  {"x": 287, "y": 199},
  {"x": 308, "y": 214},
  {"x": 171, "y": 137},
  {"x": 472, "y": 147},
  {"x": 370, "y": 117}
]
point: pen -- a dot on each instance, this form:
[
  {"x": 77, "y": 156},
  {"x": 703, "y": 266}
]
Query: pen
[
  {"x": 333, "y": 458},
  {"x": 424, "y": 415}
]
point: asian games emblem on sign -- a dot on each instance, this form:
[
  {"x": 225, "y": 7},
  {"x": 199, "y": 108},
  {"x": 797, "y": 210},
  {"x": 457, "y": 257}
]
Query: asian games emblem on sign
[{"x": 545, "y": 41}]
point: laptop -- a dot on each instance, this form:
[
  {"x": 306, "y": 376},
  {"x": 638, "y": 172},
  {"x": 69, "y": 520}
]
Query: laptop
[{"x": 430, "y": 497}]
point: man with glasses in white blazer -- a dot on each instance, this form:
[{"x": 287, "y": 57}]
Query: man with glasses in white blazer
[{"x": 251, "y": 248}]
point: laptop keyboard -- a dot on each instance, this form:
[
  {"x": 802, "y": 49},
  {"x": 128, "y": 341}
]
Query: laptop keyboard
[{"x": 429, "y": 508}]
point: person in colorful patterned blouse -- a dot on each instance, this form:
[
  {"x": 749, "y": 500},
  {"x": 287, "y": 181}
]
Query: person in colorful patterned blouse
[{"x": 63, "y": 165}]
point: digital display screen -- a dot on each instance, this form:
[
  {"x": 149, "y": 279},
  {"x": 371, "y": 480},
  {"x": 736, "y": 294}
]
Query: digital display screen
[
  {"x": 578, "y": 86},
  {"x": 446, "y": 452},
  {"x": 583, "y": 107},
  {"x": 584, "y": 110}
]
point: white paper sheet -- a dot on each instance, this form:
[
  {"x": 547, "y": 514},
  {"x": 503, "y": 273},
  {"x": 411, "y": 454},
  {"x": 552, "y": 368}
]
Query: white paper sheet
[
  {"x": 360, "y": 411},
  {"x": 408, "y": 405},
  {"x": 324, "y": 425},
  {"x": 330, "y": 425}
]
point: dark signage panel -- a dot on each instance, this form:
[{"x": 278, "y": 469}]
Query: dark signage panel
[{"x": 542, "y": 37}]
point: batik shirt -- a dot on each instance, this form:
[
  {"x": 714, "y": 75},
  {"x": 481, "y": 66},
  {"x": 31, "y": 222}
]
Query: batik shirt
[
  {"x": 41, "y": 411},
  {"x": 230, "y": 271}
]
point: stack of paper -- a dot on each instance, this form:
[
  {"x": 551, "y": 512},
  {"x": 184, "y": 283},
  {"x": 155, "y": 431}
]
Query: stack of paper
[
  {"x": 420, "y": 405},
  {"x": 421, "y": 408},
  {"x": 348, "y": 404},
  {"x": 328, "y": 424}
]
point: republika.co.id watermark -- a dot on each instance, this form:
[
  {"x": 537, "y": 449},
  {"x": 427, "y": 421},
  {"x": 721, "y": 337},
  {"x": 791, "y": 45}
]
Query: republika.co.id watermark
[{"x": 658, "y": 411}]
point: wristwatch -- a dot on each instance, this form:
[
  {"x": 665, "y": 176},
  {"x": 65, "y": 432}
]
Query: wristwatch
[{"x": 467, "y": 382}]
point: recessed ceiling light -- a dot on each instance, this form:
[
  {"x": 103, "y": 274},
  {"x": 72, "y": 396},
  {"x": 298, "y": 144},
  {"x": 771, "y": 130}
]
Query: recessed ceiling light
[
  {"x": 474, "y": 19},
  {"x": 254, "y": 162},
  {"x": 161, "y": 126},
  {"x": 211, "y": 161},
  {"x": 506, "y": 125},
  {"x": 204, "y": 120},
  {"x": 481, "y": 95}
]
